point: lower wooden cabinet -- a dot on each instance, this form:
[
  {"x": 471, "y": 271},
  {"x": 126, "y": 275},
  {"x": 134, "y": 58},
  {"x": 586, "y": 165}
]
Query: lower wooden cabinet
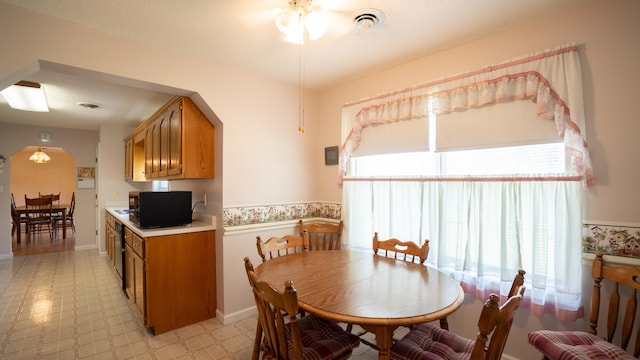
[
  {"x": 110, "y": 238},
  {"x": 170, "y": 279},
  {"x": 135, "y": 282}
]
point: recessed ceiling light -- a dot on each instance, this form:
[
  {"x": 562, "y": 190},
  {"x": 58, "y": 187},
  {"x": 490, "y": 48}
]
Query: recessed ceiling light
[
  {"x": 368, "y": 19},
  {"x": 89, "y": 105}
]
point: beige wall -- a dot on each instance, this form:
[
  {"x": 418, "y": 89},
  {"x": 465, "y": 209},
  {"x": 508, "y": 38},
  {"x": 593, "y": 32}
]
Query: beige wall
[{"x": 264, "y": 159}]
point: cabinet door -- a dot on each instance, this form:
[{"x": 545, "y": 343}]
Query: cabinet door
[
  {"x": 128, "y": 160},
  {"x": 165, "y": 135},
  {"x": 129, "y": 272},
  {"x": 174, "y": 116},
  {"x": 148, "y": 152},
  {"x": 139, "y": 286},
  {"x": 155, "y": 148},
  {"x": 110, "y": 244}
]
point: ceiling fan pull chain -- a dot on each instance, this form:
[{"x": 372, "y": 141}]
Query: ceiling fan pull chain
[{"x": 301, "y": 84}]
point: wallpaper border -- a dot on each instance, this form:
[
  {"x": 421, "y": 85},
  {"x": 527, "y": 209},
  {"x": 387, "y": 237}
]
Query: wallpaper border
[
  {"x": 260, "y": 214},
  {"x": 612, "y": 239}
]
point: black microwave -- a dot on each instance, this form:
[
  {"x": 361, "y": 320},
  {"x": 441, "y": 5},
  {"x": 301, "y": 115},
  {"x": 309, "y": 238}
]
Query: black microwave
[{"x": 154, "y": 209}]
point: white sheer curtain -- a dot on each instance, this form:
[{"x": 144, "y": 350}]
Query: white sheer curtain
[{"x": 482, "y": 230}]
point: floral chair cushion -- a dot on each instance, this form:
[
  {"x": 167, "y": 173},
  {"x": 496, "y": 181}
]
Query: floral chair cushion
[
  {"x": 323, "y": 339},
  {"x": 428, "y": 342},
  {"x": 569, "y": 345}
]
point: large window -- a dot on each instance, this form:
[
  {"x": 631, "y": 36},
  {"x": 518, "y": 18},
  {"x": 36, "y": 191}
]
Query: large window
[{"x": 509, "y": 204}]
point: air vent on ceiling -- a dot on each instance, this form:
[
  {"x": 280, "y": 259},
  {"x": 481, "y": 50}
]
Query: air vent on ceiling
[{"x": 368, "y": 19}]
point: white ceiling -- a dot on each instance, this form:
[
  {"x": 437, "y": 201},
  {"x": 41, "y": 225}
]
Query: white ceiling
[{"x": 241, "y": 33}]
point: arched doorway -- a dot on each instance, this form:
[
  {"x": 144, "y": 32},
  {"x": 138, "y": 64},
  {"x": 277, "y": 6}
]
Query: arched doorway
[{"x": 57, "y": 175}]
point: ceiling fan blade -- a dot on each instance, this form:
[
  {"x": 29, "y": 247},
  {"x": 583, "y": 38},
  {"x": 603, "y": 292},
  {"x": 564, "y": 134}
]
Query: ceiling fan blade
[{"x": 340, "y": 24}]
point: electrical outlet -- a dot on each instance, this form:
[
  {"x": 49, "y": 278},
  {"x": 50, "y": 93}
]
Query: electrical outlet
[{"x": 204, "y": 201}]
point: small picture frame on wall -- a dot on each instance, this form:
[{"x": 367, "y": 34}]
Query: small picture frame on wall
[{"x": 331, "y": 155}]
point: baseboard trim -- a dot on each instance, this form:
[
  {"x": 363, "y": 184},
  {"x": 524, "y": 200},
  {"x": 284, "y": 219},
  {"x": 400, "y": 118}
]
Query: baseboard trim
[
  {"x": 6, "y": 256},
  {"x": 85, "y": 247},
  {"x": 238, "y": 315}
]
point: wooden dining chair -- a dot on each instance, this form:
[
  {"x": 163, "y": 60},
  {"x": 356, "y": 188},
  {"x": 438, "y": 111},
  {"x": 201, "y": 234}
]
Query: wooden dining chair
[
  {"x": 280, "y": 246},
  {"x": 55, "y": 198},
  {"x": 69, "y": 215},
  {"x": 619, "y": 281},
  {"x": 16, "y": 220},
  {"x": 322, "y": 235},
  {"x": 426, "y": 341},
  {"x": 39, "y": 214},
  {"x": 405, "y": 250},
  {"x": 283, "y": 334}
]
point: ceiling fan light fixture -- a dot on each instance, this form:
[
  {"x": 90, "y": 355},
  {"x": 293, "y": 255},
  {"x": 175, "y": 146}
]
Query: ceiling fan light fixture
[
  {"x": 27, "y": 96},
  {"x": 297, "y": 18}
]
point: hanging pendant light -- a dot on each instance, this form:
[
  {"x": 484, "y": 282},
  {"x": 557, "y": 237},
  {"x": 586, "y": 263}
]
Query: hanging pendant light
[{"x": 39, "y": 157}]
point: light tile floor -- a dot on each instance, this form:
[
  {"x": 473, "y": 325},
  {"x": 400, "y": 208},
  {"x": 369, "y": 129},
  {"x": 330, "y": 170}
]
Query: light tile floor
[{"x": 69, "y": 305}]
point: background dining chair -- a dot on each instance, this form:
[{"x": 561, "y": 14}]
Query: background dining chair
[
  {"x": 289, "y": 336},
  {"x": 426, "y": 341},
  {"x": 280, "y": 246},
  {"x": 580, "y": 344},
  {"x": 57, "y": 218},
  {"x": 322, "y": 235},
  {"x": 54, "y": 197},
  {"x": 405, "y": 250},
  {"x": 39, "y": 214},
  {"x": 16, "y": 220}
]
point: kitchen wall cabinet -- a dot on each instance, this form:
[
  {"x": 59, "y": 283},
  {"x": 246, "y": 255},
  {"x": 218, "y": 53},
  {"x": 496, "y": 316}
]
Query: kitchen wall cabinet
[{"x": 177, "y": 142}]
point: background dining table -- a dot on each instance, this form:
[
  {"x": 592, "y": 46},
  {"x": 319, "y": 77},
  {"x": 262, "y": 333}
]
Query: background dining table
[
  {"x": 357, "y": 287},
  {"x": 57, "y": 208}
]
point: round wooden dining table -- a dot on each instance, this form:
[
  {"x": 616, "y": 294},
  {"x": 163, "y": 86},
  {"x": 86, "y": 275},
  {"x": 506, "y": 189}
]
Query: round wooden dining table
[{"x": 376, "y": 292}]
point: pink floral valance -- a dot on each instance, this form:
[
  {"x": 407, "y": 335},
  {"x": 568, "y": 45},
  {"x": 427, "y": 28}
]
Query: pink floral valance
[{"x": 551, "y": 79}]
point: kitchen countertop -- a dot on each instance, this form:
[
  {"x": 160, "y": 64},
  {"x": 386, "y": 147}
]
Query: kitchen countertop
[{"x": 202, "y": 222}]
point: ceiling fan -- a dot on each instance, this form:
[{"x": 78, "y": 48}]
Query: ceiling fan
[{"x": 302, "y": 20}]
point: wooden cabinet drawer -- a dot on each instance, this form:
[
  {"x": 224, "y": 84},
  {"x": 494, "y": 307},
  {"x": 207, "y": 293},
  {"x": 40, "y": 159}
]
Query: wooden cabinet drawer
[
  {"x": 128, "y": 237},
  {"x": 137, "y": 244},
  {"x": 135, "y": 241}
]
